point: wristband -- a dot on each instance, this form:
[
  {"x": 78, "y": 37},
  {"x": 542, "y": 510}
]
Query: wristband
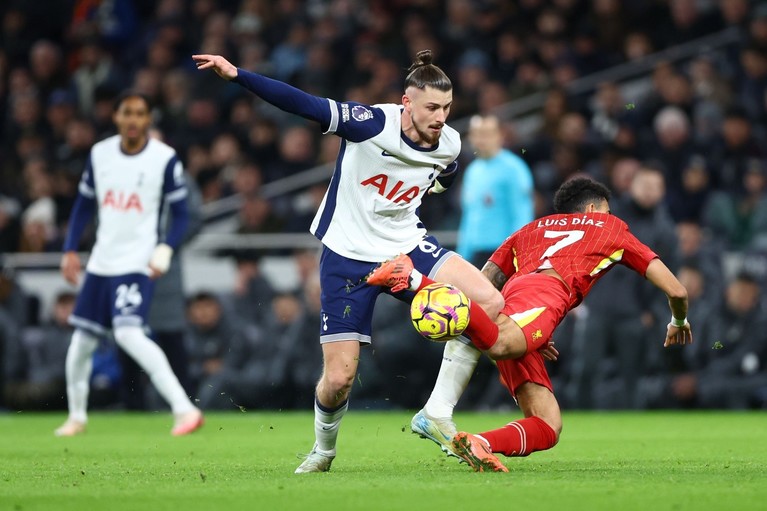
[
  {"x": 678, "y": 322},
  {"x": 160, "y": 260},
  {"x": 437, "y": 187}
]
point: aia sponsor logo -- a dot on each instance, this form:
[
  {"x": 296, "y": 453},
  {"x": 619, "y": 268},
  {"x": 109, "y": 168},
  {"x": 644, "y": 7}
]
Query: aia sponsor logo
[
  {"x": 122, "y": 201},
  {"x": 395, "y": 192}
]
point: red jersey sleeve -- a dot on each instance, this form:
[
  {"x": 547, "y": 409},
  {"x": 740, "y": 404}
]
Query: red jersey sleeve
[
  {"x": 504, "y": 257},
  {"x": 636, "y": 255}
]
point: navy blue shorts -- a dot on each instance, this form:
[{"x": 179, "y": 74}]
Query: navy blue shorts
[
  {"x": 108, "y": 302},
  {"x": 348, "y": 301}
]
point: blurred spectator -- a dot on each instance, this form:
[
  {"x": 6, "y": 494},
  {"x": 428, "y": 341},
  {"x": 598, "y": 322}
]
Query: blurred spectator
[
  {"x": 734, "y": 13},
  {"x": 492, "y": 96},
  {"x": 729, "y": 354},
  {"x": 252, "y": 295},
  {"x": 687, "y": 21},
  {"x": 608, "y": 111},
  {"x": 20, "y": 306},
  {"x": 665, "y": 366},
  {"x": 38, "y": 227},
  {"x": 296, "y": 152},
  {"x": 687, "y": 202},
  {"x": 303, "y": 370},
  {"x": 473, "y": 67},
  {"x": 496, "y": 193},
  {"x": 698, "y": 249},
  {"x": 34, "y": 374},
  {"x": 752, "y": 86},
  {"x": 290, "y": 56},
  {"x": 60, "y": 110},
  {"x": 10, "y": 227},
  {"x": 708, "y": 84},
  {"x": 739, "y": 218},
  {"x": 239, "y": 367},
  {"x": 218, "y": 350},
  {"x": 672, "y": 146},
  {"x": 73, "y": 154},
  {"x": 399, "y": 370},
  {"x": 303, "y": 208},
  {"x": 637, "y": 45},
  {"x": 175, "y": 100},
  {"x": 617, "y": 171},
  {"x": 290, "y": 327},
  {"x": 113, "y": 22},
  {"x": 95, "y": 69},
  {"x": 46, "y": 63},
  {"x": 246, "y": 179},
  {"x": 730, "y": 153},
  {"x": 257, "y": 216}
]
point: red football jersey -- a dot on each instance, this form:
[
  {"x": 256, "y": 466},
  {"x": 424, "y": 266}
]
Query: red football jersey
[{"x": 581, "y": 247}]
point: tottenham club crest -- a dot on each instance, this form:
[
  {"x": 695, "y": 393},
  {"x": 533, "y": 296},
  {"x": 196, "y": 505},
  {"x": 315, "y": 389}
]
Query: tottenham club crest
[{"x": 360, "y": 113}]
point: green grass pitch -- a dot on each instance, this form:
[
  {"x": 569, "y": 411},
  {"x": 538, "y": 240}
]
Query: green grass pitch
[{"x": 617, "y": 461}]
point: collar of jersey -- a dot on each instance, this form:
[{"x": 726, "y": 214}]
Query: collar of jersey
[
  {"x": 120, "y": 145},
  {"x": 416, "y": 146}
]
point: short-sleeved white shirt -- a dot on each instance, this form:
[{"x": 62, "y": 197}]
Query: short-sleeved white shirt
[{"x": 130, "y": 191}]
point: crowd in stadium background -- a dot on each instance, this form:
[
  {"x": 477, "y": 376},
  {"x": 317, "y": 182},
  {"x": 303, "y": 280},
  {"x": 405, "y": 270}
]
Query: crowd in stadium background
[{"x": 686, "y": 161}]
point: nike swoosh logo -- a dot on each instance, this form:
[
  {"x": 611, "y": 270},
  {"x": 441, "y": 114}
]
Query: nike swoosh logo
[{"x": 386, "y": 153}]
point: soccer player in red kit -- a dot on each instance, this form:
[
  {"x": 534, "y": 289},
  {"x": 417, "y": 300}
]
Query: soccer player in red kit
[{"x": 544, "y": 270}]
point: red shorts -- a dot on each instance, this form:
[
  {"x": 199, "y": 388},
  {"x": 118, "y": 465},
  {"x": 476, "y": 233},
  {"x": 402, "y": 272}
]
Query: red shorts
[
  {"x": 537, "y": 303},
  {"x": 528, "y": 368}
]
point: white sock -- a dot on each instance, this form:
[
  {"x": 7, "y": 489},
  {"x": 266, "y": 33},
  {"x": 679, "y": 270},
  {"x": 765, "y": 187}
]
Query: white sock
[
  {"x": 326, "y": 426},
  {"x": 153, "y": 360},
  {"x": 458, "y": 363},
  {"x": 78, "y": 368},
  {"x": 416, "y": 277}
]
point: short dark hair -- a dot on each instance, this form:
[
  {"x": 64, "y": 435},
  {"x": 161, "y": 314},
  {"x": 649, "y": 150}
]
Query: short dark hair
[
  {"x": 422, "y": 73},
  {"x": 131, "y": 94},
  {"x": 747, "y": 277},
  {"x": 577, "y": 193},
  {"x": 203, "y": 296}
]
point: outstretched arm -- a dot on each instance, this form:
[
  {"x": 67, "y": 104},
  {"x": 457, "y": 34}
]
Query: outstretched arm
[
  {"x": 678, "y": 331},
  {"x": 283, "y": 96},
  {"x": 217, "y": 63}
]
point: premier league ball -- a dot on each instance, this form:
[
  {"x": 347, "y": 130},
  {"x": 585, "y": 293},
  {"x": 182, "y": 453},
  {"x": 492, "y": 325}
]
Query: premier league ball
[{"x": 440, "y": 312}]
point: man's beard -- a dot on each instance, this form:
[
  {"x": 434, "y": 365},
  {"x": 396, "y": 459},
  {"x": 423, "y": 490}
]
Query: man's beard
[{"x": 432, "y": 139}]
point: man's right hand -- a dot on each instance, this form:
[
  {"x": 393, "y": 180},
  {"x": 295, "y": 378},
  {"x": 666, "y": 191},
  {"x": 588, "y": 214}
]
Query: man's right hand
[
  {"x": 678, "y": 335},
  {"x": 70, "y": 267},
  {"x": 217, "y": 63}
]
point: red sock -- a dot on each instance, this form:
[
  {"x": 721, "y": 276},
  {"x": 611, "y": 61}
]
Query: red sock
[
  {"x": 520, "y": 438},
  {"x": 425, "y": 281},
  {"x": 482, "y": 330}
]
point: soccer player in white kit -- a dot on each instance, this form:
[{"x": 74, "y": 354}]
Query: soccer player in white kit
[
  {"x": 130, "y": 180},
  {"x": 390, "y": 156}
]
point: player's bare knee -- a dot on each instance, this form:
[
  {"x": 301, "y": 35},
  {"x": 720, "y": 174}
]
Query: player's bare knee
[
  {"x": 491, "y": 302},
  {"x": 337, "y": 381},
  {"x": 496, "y": 305}
]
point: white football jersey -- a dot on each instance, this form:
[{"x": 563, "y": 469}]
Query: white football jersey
[
  {"x": 370, "y": 210},
  {"x": 130, "y": 191}
]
